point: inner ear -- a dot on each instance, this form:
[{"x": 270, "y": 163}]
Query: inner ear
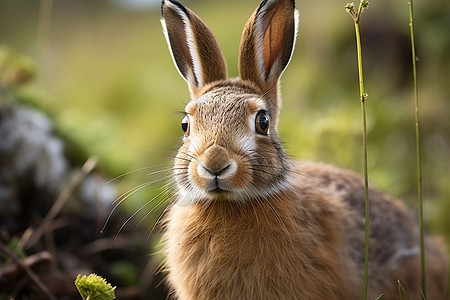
[
  {"x": 273, "y": 27},
  {"x": 267, "y": 42}
]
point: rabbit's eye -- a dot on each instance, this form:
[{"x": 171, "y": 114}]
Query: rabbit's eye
[
  {"x": 185, "y": 125},
  {"x": 262, "y": 122}
]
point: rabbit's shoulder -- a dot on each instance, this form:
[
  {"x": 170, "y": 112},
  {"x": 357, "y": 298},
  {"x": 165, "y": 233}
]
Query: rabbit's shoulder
[{"x": 393, "y": 227}]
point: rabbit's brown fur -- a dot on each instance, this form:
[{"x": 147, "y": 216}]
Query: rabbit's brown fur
[
  {"x": 306, "y": 249},
  {"x": 273, "y": 249},
  {"x": 249, "y": 223}
]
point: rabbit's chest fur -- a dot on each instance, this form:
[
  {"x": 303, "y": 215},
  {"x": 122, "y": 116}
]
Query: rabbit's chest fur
[{"x": 273, "y": 249}]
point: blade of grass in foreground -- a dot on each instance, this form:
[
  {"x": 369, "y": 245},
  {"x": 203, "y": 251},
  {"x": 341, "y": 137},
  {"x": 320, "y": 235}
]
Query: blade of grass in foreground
[
  {"x": 418, "y": 149},
  {"x": 350, "y": 7},
  {"x": 402, "y": 291}
]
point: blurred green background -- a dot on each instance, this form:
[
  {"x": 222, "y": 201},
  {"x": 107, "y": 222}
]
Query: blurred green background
[{"x": 105, "y": 76}]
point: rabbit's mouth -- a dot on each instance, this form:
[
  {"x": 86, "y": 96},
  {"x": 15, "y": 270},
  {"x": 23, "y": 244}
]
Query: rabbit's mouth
[
  {"x": 218, "y": 191},
  {"x": 217, "y": 188}
]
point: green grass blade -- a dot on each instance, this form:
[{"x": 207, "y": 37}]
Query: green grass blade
[
  {"x": 418, "y": 149},
  {"x": 403, "y": 290}
]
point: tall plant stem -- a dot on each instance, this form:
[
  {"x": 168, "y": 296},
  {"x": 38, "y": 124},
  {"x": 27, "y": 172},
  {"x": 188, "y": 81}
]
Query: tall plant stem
[
  {"x": 363, "y": 97},
  {"x": 418, "y": 148}
]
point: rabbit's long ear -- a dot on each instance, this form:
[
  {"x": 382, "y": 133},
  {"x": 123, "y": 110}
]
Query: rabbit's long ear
[
  {"x": 267, "y": 43},
  {"x": 193, "y": 46}
]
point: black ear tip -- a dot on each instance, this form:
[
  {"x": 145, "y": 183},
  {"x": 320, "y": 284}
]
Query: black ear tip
[
  {"x": 176, "y": 3},
  {"x": 265, "y": 1},
  {"x": 262, "y": 4}
]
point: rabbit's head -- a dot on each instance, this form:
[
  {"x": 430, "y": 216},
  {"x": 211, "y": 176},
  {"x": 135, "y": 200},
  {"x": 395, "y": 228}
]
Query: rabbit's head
[{"x": 231, "y": 149}]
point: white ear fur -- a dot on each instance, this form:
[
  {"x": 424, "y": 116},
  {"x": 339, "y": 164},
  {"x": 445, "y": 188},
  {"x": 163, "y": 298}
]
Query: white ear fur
[
  {"x": 194, "y": 77},
  {"x": 193, "y": 47}
]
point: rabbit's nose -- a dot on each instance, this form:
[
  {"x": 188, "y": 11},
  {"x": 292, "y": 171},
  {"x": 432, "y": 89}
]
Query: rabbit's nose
[{"x": 216, "y": 162}]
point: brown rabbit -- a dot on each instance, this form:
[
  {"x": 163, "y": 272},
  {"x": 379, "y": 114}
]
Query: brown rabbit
[{"x": 250, "y": 223}]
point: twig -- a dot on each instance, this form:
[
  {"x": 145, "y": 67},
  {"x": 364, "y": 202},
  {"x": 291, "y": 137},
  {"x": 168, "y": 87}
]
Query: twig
[
  {"x": 73, "y": 183},
  {"x": 147, "y": 275},
  {"x": 10, "y": 272},
  {"x": 24, "y": 239},
  {"x": 105, "y": 244},
  {"x": 29, "y": 272}
]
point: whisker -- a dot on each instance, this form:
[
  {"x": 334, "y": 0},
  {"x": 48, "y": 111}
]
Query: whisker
[
  {"x": 281, "y": 169},
  {"x": 138, "y": 188},
  {"x": 126, "y": 195},
  {"x": 170, "y": 193},
  {"x": 136, "y": 212},
  {"x": 164, "y": 199},
  {"x": 261, "y": 170},
  {"x": 122, "y": 198},
  {"x": 157, "y": 221},
  {"x": 184, "y": 153},
  {"x": 183, "y": 158},
  {"x": 179, "y": 168},
  {"x": 127, "y": 173},
  {"x": 181, "y": 173},
  {"x": 159, "y": 171},
  {"x": 168, "y": 190}
]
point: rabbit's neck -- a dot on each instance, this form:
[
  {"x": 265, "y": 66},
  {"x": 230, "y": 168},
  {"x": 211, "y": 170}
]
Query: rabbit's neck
[{"x": 248, "y": 250}]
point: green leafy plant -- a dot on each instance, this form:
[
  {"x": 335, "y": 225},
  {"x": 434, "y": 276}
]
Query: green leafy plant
[{"x": 94, "y": 287}]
